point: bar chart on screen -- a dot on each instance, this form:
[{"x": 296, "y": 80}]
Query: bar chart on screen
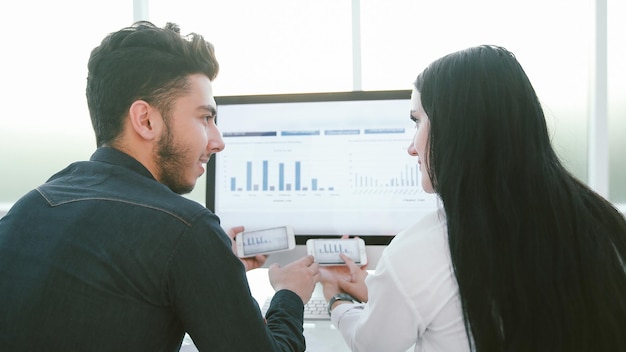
[
  {"x": 318, "y": 170},
  {"x": 326, "y": 164},
  {"x": 287, "y": 177}
]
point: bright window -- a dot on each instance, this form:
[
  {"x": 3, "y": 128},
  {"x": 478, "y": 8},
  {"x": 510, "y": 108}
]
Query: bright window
[
  {"x": 45, "y": 122},
  {"x": 617, "y": 100},
  {"x": 281, "y": 46}
]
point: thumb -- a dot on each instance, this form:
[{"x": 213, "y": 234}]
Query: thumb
[
  {"x": 274, "y": 267},
  {"x": 345, "y": 285},
  {"x": 233, "y": 231},
  {"x": 351, "y": 288}
]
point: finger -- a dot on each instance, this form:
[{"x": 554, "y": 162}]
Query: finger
[
  {"x": 233, "y": 231},
  {"x": 344, "y": 237},
  {"x": 314, "y": 268},
  {"x": 349, "y": 287},
  {"x": 274, "y": 266},
  {"x": 317, "y": 277},
  {"x": 347, "y": 260},
  {"x": 345, "y": 285},
  {"x": 260, "y": 259},
  {"x": 250, "y": 264},
  {"x": 350, "y": 263},
  {"x": 307, "y": 260}
]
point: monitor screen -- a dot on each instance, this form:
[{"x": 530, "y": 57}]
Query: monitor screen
[{"x": 327, "y": 164}]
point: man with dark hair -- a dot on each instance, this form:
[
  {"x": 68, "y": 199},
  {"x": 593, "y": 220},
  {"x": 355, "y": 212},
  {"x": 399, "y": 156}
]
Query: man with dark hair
[{"x": 108, "y": 256}]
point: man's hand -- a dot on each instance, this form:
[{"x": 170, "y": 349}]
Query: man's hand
[
  {"x": 299, "y": 276},
  {"x": 251, "y": 262}
]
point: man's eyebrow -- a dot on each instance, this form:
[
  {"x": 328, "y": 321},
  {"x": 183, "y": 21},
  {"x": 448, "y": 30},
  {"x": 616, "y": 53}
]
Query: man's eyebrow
[{"x": 208, "y": 108}]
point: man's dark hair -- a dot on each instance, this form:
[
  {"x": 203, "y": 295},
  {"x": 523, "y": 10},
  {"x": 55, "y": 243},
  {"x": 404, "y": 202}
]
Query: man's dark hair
[{"x": 142, "y": 62}]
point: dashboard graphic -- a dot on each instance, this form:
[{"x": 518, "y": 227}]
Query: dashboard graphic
[{"x": 337, "y": 166}]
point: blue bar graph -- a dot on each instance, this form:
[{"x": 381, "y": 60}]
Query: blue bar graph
[
  {"x": 405, "y": 178},
  {"x": 265, "y": 175},
  {"x": 249, "y": 176},
  {"x": 281, "y": 176},
  {"x": 298, "y": 171},
  {"x": 275, "y": 177}
]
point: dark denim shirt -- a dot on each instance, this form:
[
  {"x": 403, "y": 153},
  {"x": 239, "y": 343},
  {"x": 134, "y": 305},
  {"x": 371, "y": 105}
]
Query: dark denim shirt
[{"x": 102, "y": 257}]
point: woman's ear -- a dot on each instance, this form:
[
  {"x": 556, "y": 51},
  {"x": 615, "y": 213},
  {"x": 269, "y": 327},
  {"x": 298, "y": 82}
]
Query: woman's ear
[{"x": 145, "y": 120}]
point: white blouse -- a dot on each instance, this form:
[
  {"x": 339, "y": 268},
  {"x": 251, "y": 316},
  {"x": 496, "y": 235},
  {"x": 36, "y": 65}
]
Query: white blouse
[{"x": 414, "y": 302}]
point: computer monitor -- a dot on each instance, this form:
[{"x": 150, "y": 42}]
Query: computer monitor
[{"x": 327, "y": 164}]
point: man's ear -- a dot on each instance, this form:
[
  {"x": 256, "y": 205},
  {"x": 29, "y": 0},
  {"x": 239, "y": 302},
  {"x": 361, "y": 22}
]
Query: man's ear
[{"x": 145, "y": 119}]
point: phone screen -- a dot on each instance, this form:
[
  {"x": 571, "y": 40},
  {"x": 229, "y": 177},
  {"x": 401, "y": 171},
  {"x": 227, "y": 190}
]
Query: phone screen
[
  {"x": 327, "y": 251},
  {"x": 264, "y": 241}
]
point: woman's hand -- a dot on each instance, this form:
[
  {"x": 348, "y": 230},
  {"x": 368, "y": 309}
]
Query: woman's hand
[
  {"x": 355, "y": 284},
  {"x": 349, "y": 278}
]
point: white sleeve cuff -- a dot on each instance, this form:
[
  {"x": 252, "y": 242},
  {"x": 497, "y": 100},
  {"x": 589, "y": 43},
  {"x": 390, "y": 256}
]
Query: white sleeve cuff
[{"x": 346, "y": 310}]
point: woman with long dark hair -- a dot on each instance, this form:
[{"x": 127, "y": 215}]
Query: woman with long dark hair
[{"x": 537, "y": 258}]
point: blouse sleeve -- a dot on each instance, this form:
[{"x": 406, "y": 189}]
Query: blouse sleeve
[
  {"x": 388, "y": 322},
  {"x": 413, "y": 297}
]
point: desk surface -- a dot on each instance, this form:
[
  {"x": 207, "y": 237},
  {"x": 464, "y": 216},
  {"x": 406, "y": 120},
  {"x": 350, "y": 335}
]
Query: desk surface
[{"x": 321, "y": 336}]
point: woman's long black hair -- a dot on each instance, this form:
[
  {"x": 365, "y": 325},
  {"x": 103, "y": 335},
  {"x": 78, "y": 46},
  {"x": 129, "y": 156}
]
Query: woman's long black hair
[{"x": 539, "y": 257}]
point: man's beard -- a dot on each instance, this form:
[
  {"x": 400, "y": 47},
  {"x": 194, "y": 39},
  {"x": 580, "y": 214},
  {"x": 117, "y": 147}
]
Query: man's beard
[{"x": 170, "y": 161}]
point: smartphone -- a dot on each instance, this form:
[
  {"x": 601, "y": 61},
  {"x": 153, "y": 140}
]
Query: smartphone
[
  {"x": 326, "y": 251},
  {"x": 265, "y": 241}
]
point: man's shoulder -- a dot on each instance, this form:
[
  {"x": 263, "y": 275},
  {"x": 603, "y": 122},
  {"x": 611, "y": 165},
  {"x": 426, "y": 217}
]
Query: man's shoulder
[{"x": 92, "y": 181}]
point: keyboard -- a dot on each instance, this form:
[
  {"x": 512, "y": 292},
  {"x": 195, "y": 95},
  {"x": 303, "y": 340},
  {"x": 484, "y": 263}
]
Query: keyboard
[{"x": 315, "y": 309}]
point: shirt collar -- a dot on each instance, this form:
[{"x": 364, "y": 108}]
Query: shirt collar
[{"x": 113, "y": 156}]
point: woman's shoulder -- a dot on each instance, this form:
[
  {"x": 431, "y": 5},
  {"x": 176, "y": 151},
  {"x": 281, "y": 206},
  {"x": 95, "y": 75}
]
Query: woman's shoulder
[
  {"x": 430, "y": 227},
  {"x": 422, "y": 246}
]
